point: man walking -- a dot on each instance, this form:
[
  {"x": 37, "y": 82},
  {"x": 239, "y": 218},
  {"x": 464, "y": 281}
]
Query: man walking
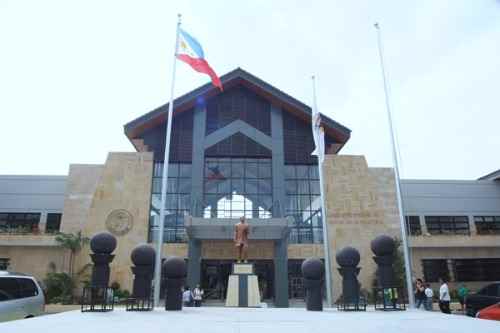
[
  {"x": 444, "y": 297},
  {"x": 429, "y": 294}
]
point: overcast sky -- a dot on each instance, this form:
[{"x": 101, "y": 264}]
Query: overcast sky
[{"x": 72, "y": 73}]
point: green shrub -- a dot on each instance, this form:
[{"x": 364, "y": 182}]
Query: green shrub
[{"x": 59, "y": 288}]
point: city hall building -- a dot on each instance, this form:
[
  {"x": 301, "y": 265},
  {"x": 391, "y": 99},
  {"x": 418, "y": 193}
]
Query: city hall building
[{"x": 246, "y": 151}]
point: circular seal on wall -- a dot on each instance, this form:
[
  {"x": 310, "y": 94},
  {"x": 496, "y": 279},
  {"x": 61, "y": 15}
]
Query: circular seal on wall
[{"x": 119, "y": 222}]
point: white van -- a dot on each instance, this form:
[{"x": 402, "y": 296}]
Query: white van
[{"x": 20, "y": 296}]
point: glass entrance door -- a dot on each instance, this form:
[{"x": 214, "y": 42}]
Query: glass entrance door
[{"x": 215, "y": 275}]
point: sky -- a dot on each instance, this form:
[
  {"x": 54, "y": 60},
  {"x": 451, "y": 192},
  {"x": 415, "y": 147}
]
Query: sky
[{"x": 72, "y": 73}]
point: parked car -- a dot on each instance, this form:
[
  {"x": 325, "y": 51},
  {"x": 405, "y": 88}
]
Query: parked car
[
  {"x": 492, "y": 312},
  {"x": 485, "y": 297},
  {"x": 20, "y": 296}
]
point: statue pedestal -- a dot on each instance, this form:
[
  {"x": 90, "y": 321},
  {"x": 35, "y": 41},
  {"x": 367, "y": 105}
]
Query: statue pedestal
[{"x": 243, "y": 287}]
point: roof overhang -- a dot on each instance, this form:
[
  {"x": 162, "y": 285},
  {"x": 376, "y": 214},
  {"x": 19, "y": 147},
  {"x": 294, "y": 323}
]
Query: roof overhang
[
  {"x": 495, "y": 175},
  {"x": 278, "y": 98}
]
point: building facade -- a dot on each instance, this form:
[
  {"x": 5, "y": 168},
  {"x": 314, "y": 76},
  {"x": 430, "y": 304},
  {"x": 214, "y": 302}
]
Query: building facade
[{"x": 247, "y": 152}]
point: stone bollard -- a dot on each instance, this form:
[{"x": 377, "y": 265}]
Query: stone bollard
[
  {"x": 383, "y": 247},
  {"x": 143, "y": 257},
  {"x": 348, "y": 258},
  {"x": 102, "y": 245},
  {"x": 175, "y": 275},
  {"x": 313, "y": 272}
]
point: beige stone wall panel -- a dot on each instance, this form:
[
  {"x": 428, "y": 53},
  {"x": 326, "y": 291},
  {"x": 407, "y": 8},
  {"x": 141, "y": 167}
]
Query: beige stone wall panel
[{"x": 124, "y": 183}]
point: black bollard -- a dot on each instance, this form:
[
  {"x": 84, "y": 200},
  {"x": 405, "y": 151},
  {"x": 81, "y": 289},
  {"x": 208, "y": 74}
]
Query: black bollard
[
  {"x": 175, "y": 275},
  {"x": 98, "y": 297},
  {"x": 102, "y": 245},
  {"x": 383, "y": 247},
  {"x": 348, "y": 260},
  {"x": 143, "y": 257},
  {"x": 313, "y": 271}
]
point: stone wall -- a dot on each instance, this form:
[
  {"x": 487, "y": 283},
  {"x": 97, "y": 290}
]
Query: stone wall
[
  {"x": 361, "y": 204},
  {"x": 80, "y": 188},
  {"x": 35, "y": 260},
  {"x": 124, "y": 185}
]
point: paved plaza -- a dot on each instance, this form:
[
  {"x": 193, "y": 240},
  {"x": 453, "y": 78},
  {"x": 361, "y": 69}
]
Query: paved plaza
[{"x": 243, "y": 320}]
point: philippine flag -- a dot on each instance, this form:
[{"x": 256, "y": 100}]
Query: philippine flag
[{"x": 191, "y": 52}]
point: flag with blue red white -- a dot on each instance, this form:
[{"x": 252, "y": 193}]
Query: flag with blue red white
[{"x": 190, "y": 51}]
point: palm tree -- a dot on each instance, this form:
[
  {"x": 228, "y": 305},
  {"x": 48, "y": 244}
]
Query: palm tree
[{"x": 72, "y": 242}]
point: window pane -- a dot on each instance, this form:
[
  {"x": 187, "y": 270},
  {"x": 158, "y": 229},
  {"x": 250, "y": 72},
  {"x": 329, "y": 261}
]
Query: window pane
[
  {"x": 290, "y": 172},
  {"x": 224, "y": 186},
  {"x": 173, "y": 170},
  {"x": 265, "y": 170},
  {"x": 315, "y": 188},
  {"x": 434, "y": 269},
  {"x": 237, "y": 185},
  {"x": 185, "y": 170},
  {"x": 184, "y": 185},
  {"x": 9, "y": 287},
  {"x": 290, "y": 186},
  {"x": 313, "y": 172},
  {"x": 266, "y": 201},
  {"x": 302, "y": 171},
  {"x": 171, "y": 201},
  {"x": 171, "y": 185},
  {"x": 251, "y": 186},
  {"x": 156, "y": 185},
  {"x": 264, "y": 186},
  {"x": 291, "y": 202},
  {"x": 303, "y": 186},
  {"x": 237, "y": 170},
  {"x": 304, "y": 202},
  {"x": 184, "y": 201},
  {"x": 315, "y": 202},
  {"x": 53, "y": 222},
  {"x": 251, "y": 170},
  {"x": 211, "y": 186}
]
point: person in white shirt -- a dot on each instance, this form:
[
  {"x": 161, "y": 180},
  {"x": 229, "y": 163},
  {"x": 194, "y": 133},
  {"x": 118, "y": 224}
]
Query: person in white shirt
[
  {"x": 429, "y": 294},
  {"x": 187, "y": 297},
  {"x": 197, "y": 295},
  {"x": 444, "y": 297}
]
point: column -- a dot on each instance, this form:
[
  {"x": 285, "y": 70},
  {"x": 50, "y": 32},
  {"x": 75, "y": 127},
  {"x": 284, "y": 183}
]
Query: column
[
  {"x": 281, "y": 273},
  {"x": 194, "y": 262},
  {"x": 198, "y": 160},
  {"x": 278, "y": 162}
]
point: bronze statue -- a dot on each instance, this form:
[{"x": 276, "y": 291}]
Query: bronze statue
[{"x": 241, "y": 233}]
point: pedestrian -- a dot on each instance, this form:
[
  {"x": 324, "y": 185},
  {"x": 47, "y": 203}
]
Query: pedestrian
[
  {"x": 187, "y": 297},
  {"x": 429, "y": 294},
  {"x": 444, "y": 297},
  {"x": 420, "y": 297},
  {"x": 198, "y": 296},
  {"x": 463, "y": 291}
]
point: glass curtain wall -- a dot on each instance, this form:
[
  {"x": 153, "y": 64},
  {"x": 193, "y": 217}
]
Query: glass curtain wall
[
  {"x": 235, "y": 187},
  {"x": 303, "y": 203},
  {"x": 177, "y": 203}
]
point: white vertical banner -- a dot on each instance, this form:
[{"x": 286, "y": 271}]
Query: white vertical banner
[
  {"x": 164, "y": 181},
  {"x": 319, "y": 151}
]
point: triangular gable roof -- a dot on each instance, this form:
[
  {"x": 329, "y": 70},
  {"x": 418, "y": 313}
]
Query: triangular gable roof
[
  {"x": 136, "y": 127},
  {"x": 495, "y": 175}
]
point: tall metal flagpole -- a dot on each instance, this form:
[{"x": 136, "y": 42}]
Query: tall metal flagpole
[
  {"x": 326, "y": 248},
  {"x": 159, "y": 244},
  {"x": 404, "y": 238}
]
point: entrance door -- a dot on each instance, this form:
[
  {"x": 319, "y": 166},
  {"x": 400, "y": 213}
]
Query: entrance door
[{"x": 215, "y": 275}]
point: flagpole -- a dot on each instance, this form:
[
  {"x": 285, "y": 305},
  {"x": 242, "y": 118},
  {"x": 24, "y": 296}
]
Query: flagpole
[
  {"x": 326, "y": 248},
  {"x": 164, "y": 182},
  {"x": 404, "y": 238}
]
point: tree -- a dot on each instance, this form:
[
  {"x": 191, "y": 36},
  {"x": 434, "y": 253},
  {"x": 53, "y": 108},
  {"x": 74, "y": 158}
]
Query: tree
[
  {"x": 73, "y": 243},
  {"x": 399, "y": 265}
]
